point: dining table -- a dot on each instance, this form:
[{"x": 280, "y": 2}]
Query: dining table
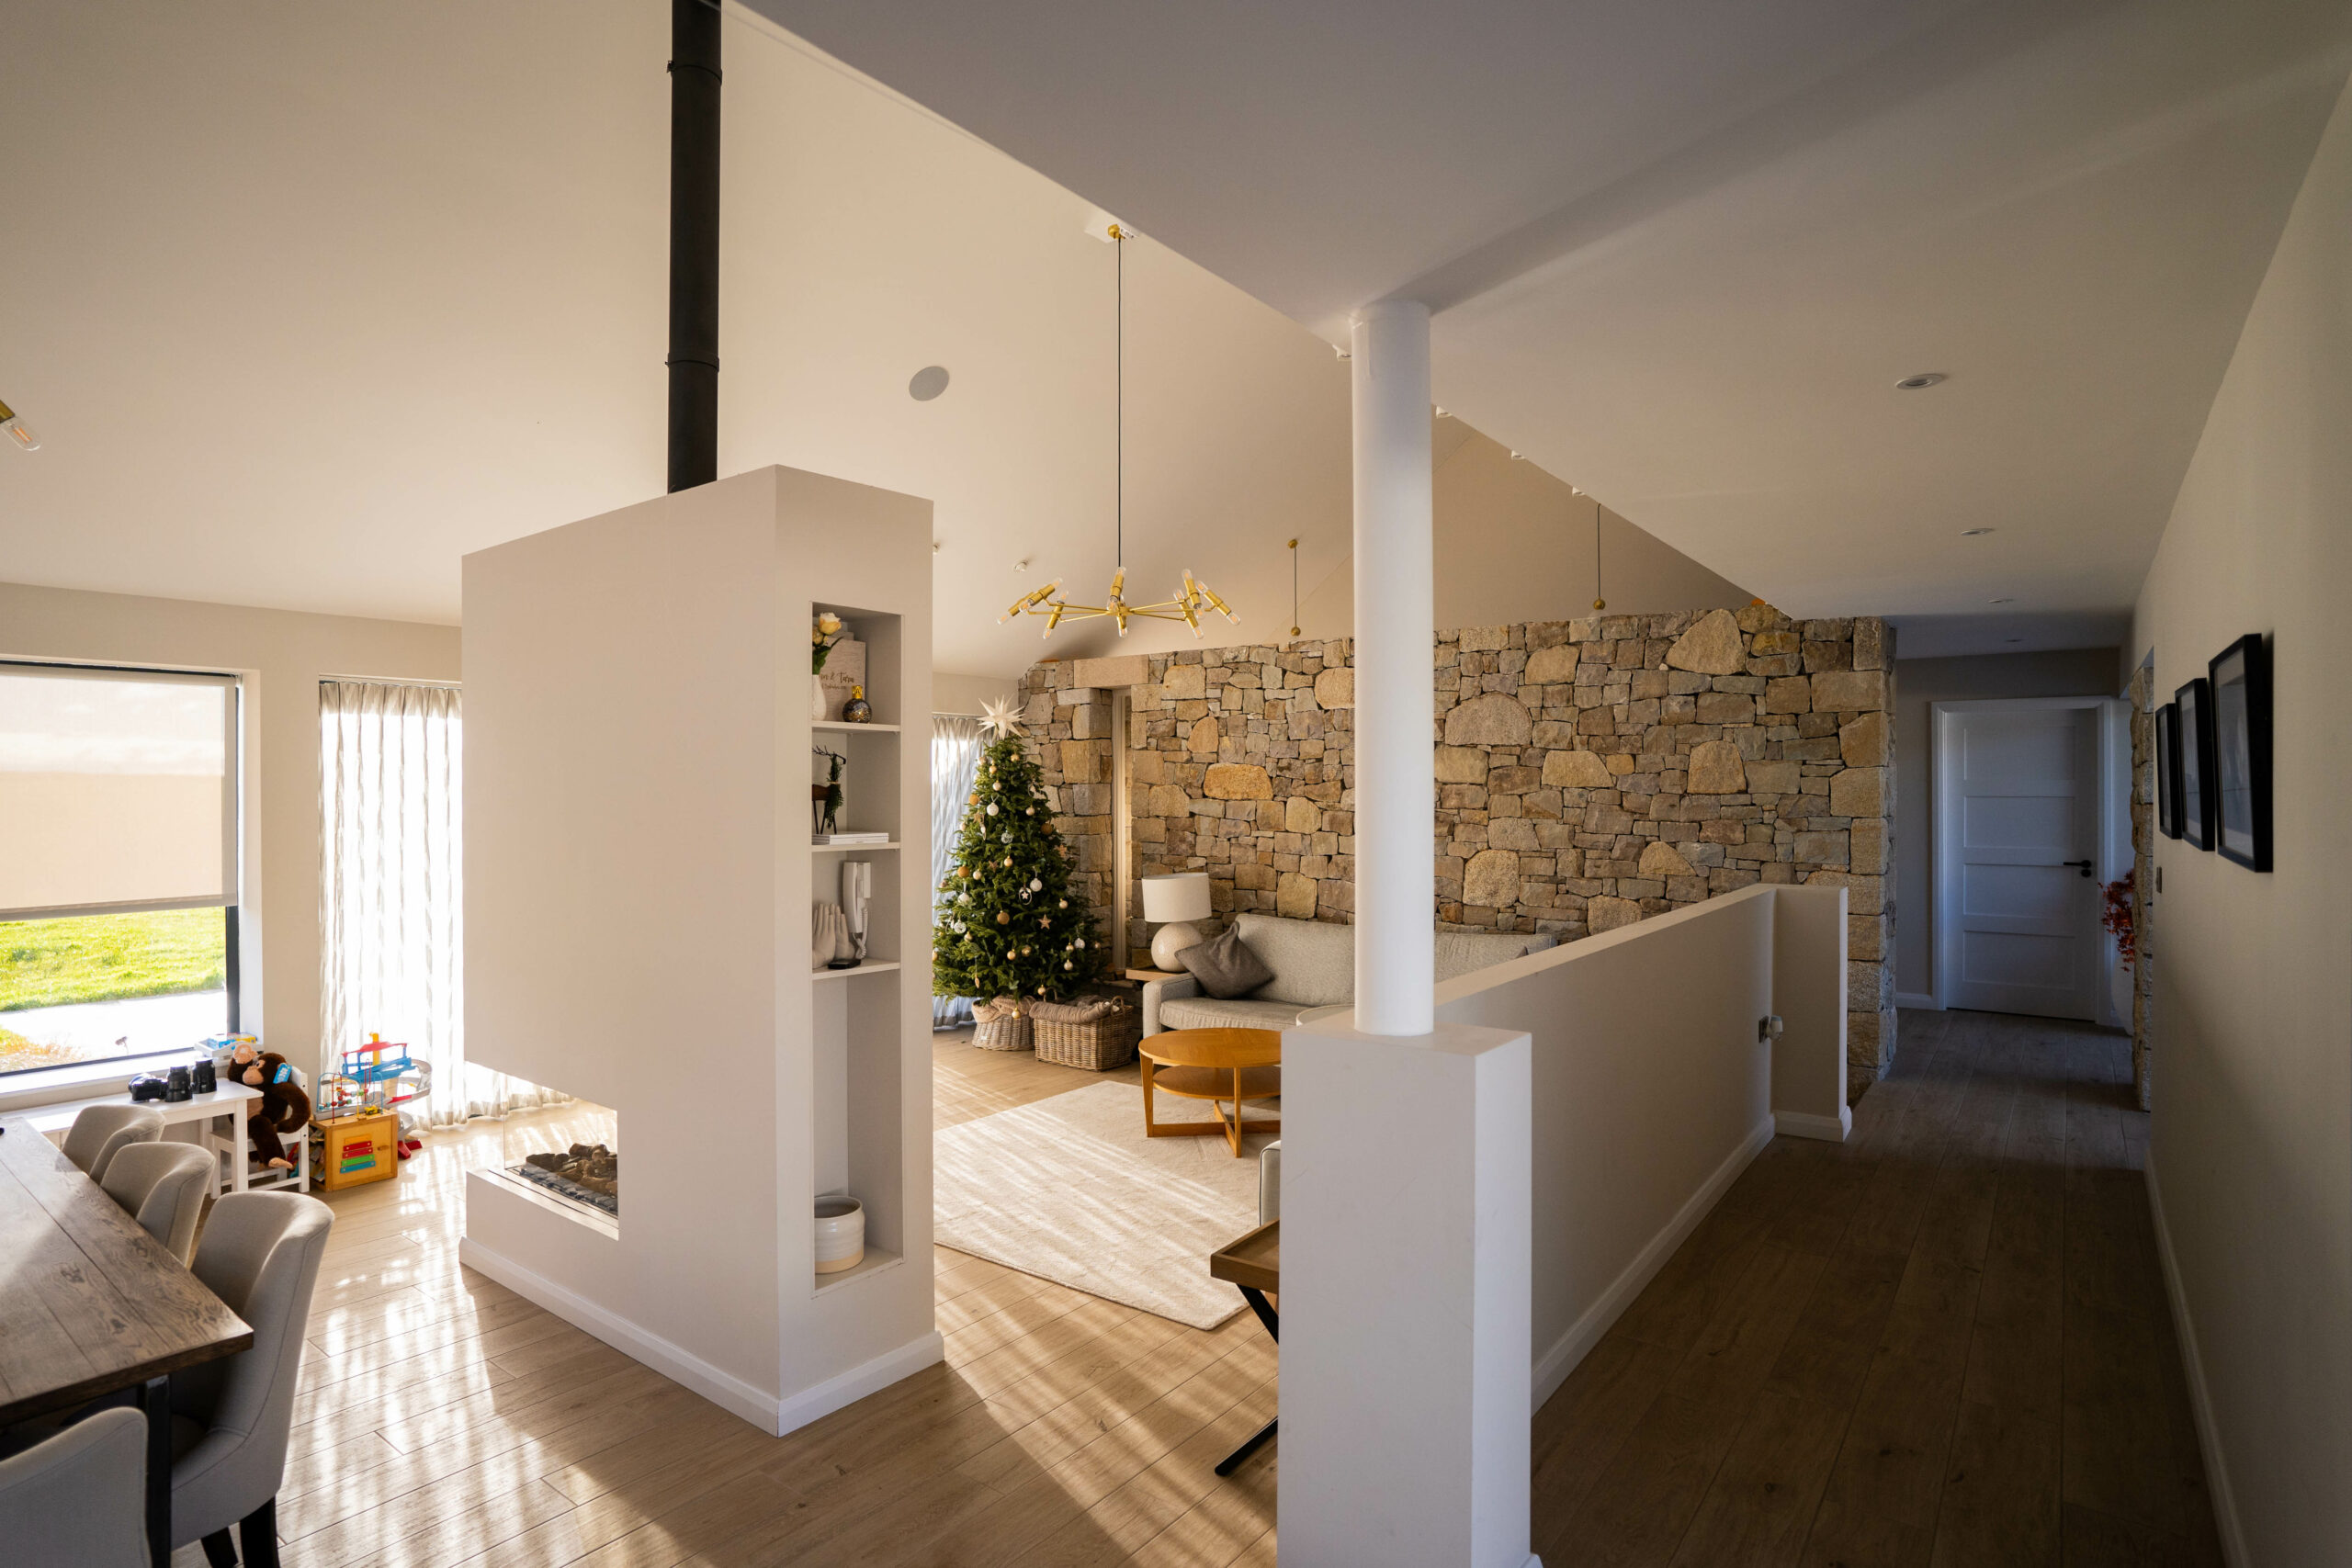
[{"x": 92, "y": 1305}]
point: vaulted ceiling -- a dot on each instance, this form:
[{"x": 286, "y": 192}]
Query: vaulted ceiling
[
  {"x": 306, "y": 301},
  {"x": 1681, "y": 255}
]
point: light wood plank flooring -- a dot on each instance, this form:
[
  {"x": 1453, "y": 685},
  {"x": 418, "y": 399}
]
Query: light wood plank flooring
[{"x": 1943, "y": 1343}]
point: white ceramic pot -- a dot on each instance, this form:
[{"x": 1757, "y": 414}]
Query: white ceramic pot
[
  {"x": 841, "y": 1233},
  {"x": 817, "y": 697}
]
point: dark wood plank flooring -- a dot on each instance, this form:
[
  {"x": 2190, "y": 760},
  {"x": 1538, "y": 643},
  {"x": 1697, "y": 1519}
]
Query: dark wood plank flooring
[{"x": 1944, "y": 1343}]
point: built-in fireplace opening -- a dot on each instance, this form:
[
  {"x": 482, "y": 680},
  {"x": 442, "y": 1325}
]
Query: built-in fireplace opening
[
  {"x": 584, "y": 1173},
  {"x": 565, "y": 1161}
]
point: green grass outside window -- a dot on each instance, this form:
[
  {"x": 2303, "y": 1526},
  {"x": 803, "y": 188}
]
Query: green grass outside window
[{"x": 101, "y": 958}]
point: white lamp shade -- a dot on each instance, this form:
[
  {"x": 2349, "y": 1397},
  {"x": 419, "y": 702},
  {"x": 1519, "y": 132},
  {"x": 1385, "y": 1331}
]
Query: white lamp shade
[{"x": 1182, "y": 897}]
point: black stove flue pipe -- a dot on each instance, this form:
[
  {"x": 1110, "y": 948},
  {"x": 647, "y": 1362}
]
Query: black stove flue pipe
[{"x": 694, "y": 243}]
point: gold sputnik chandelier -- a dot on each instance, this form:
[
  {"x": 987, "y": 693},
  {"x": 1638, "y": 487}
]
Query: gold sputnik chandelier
[{"x": 1191, "y": 600}]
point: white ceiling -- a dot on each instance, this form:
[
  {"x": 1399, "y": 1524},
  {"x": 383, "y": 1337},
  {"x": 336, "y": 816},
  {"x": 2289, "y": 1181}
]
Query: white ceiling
[
  {"x": 307, "y": 302},
  {"x": 1680, "y": 254}
]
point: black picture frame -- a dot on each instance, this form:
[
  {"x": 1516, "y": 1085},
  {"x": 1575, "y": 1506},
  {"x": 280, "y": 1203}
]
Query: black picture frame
[
  {"x": 2169, "y": 770},
  {"x": 2239, "y": 677},
  {"x": 2196, "y": 704}
]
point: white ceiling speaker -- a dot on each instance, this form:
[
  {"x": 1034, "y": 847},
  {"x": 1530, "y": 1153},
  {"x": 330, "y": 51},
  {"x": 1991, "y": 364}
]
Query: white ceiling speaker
[{"x": 927, "y": 383}]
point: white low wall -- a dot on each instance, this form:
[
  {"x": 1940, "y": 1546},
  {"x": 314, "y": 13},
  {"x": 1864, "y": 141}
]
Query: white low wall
[{"x": 1651, "y": 1088}]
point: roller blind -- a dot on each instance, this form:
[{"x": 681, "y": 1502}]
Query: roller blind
[{"x": 117, "y": 790}]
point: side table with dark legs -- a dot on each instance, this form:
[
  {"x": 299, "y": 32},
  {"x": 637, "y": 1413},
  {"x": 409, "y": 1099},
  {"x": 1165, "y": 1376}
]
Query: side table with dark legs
[{"x": 1253, "y": 1265}]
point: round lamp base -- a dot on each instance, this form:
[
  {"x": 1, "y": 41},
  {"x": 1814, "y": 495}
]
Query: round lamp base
[{"x": 1170, "y": 941}]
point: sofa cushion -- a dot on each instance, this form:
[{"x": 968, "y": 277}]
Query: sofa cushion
[
  {"x": 1225, "y": 966},
  {"x": 1460, "y": 952},
  {"x": 1314, "y": 960},
  {"x": 1242, "y": 1012}
]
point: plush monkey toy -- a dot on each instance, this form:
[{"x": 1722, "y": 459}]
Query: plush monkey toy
[{"x": 284, "y": 1107}]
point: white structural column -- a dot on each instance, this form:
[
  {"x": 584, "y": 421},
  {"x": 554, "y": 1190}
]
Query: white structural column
[
  {"x": 1408, "y": 1182},
  {"x": 1395, "y": 631}
]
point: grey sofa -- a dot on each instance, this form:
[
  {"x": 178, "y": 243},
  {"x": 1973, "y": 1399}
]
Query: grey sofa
[{"x": 1315, "y": 972}]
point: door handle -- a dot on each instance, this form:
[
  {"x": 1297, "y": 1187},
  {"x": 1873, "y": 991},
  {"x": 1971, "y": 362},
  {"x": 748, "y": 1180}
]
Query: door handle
[{"x": 2082, "y": 865}]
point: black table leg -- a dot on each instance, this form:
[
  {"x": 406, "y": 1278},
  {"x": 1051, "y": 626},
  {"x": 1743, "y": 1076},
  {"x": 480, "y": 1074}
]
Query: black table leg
[
  {"x": 155, "y": 1399},
  {"x": 1264, "y": 1309}
]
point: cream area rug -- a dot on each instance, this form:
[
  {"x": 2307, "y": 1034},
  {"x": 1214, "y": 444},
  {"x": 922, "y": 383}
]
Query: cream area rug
[{"x": 1069, "y": 1188}]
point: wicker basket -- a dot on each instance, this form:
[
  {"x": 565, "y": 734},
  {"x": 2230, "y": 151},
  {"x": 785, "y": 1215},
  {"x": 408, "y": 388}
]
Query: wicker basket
[
  {"x": 1097, "y": 1044},
  {"x": 1002, "y": 1024}
]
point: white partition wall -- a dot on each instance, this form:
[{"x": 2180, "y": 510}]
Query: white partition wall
[{"x": 639, "y": 883}]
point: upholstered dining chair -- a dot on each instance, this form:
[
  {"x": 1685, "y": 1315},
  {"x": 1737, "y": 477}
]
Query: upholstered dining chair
[
  {"x": 101, "y": 1130},
  {"x": 231, "y": 1418},
  {"x": 79, "y": 1500},
  {"x": 163, "y": 1186}
]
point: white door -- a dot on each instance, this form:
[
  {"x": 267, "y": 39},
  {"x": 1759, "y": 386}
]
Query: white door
[{"x": 2017, "y": 901}]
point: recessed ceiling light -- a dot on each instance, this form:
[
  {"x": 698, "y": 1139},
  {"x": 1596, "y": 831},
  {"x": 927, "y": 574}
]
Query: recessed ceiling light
[
  {"x": 1923, "y": 380},
  {"x": 927, "y": 383},
  {"x": 2000, "y": 600},
  {"x": 1972, "y": 533}
]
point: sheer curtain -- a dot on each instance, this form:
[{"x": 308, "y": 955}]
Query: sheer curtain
[
  {"x": 392, "y": 890},
  {"x": 955, "y": 741}
]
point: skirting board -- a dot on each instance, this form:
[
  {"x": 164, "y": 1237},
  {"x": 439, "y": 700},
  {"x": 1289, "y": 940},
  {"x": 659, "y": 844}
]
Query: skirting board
[
  {"x": 1551, "y": 1368},
  {"x": 1806, "y": 1124},
  {"x": 1925, "y": 1002},
  {"x": 730, "y": 1393},
  {"x": 2208, "y": 1440}
]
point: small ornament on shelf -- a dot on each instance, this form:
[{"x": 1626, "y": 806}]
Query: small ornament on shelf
[{"x": 857, "y": 710}]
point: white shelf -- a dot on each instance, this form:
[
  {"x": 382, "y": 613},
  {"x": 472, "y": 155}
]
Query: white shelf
[
  {"x": 874, "y": 1262},
  {"x": 871, "y": 966},
  {"x": 834, "y": 726},
  {"x": 851, "y": 849}
]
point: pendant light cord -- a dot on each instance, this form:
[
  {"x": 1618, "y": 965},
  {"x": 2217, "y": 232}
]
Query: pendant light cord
[{"x": 1119, "y": 395}]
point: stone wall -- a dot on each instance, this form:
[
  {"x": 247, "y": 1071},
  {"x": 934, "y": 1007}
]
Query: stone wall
[{"x": 1589, "y": 773}]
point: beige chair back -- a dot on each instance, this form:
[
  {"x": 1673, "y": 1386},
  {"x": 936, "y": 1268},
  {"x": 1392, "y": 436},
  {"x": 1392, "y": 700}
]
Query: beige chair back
[
  {"x": 260, "y": 1254},
  {"x": 80, "y": 1499},
  {"x": 163, "y": 1186},
  {"x": 100, "y": 1131}
]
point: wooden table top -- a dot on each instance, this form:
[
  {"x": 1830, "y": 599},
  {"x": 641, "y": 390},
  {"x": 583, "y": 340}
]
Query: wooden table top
[
  {"x": 1256, "y": 1260},
  {"x": 1226, "y": 1048},
  {"x": 89, "y": 1302}
]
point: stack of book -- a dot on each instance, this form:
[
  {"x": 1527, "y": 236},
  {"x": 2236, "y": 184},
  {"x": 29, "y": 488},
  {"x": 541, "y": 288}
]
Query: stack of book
[{"x": 853, "y": 839}]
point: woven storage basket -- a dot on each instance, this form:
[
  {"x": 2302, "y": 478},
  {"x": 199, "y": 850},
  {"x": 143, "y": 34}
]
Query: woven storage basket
[
  {"x": 1097, "y": 1044},
  {"x": 1005, "y": 1030}
]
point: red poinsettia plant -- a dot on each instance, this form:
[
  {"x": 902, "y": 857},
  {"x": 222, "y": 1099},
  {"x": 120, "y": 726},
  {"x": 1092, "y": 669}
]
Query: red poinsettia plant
[{"x": 2120, "y": 917}]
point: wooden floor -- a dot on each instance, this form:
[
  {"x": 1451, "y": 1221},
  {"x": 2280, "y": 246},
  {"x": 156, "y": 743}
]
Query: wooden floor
[{"x": 1943, "y": 1343}]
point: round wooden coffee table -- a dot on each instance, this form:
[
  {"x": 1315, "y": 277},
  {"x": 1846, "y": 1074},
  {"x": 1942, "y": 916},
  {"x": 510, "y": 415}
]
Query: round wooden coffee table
[{"x": 1214, "y": 1065}]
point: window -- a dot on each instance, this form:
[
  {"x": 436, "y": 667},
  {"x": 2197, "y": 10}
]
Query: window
[{"x": 118, "y": 863}]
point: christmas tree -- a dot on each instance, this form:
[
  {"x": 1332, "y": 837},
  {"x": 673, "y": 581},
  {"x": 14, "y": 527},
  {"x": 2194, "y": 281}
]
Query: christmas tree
[{"x": 1006, "y": 924}]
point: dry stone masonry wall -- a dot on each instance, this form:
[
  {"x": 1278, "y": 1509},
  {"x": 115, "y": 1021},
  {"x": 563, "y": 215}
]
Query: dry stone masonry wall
[{"x": 1588, "y": 774}]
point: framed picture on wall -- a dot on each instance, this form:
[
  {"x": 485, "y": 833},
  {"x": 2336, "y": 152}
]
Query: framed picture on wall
[
  {"x": 2240, "y": 783},
  {"x": 2169, "y": 770},
  {"x": 2196, "y": 726}
]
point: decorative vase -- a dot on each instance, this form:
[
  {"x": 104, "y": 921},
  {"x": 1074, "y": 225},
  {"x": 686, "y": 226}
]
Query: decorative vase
[
  {"x": 817, "y": 697},
  {"x": 841, "y": 1233},
  {"x": 857, "y": 710}
]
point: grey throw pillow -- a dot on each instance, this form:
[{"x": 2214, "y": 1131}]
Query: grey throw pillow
[{"x": 1225, "y": 966}]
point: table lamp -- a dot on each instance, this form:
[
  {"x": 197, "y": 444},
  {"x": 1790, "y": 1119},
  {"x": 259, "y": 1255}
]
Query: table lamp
[{"x": 1180, "y": 899}]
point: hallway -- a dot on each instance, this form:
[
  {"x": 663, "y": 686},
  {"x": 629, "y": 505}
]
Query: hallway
[{"x": 1944, "y": 1342}]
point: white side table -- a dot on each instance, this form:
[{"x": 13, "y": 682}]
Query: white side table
[{"x": 232, "y": 1101}]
